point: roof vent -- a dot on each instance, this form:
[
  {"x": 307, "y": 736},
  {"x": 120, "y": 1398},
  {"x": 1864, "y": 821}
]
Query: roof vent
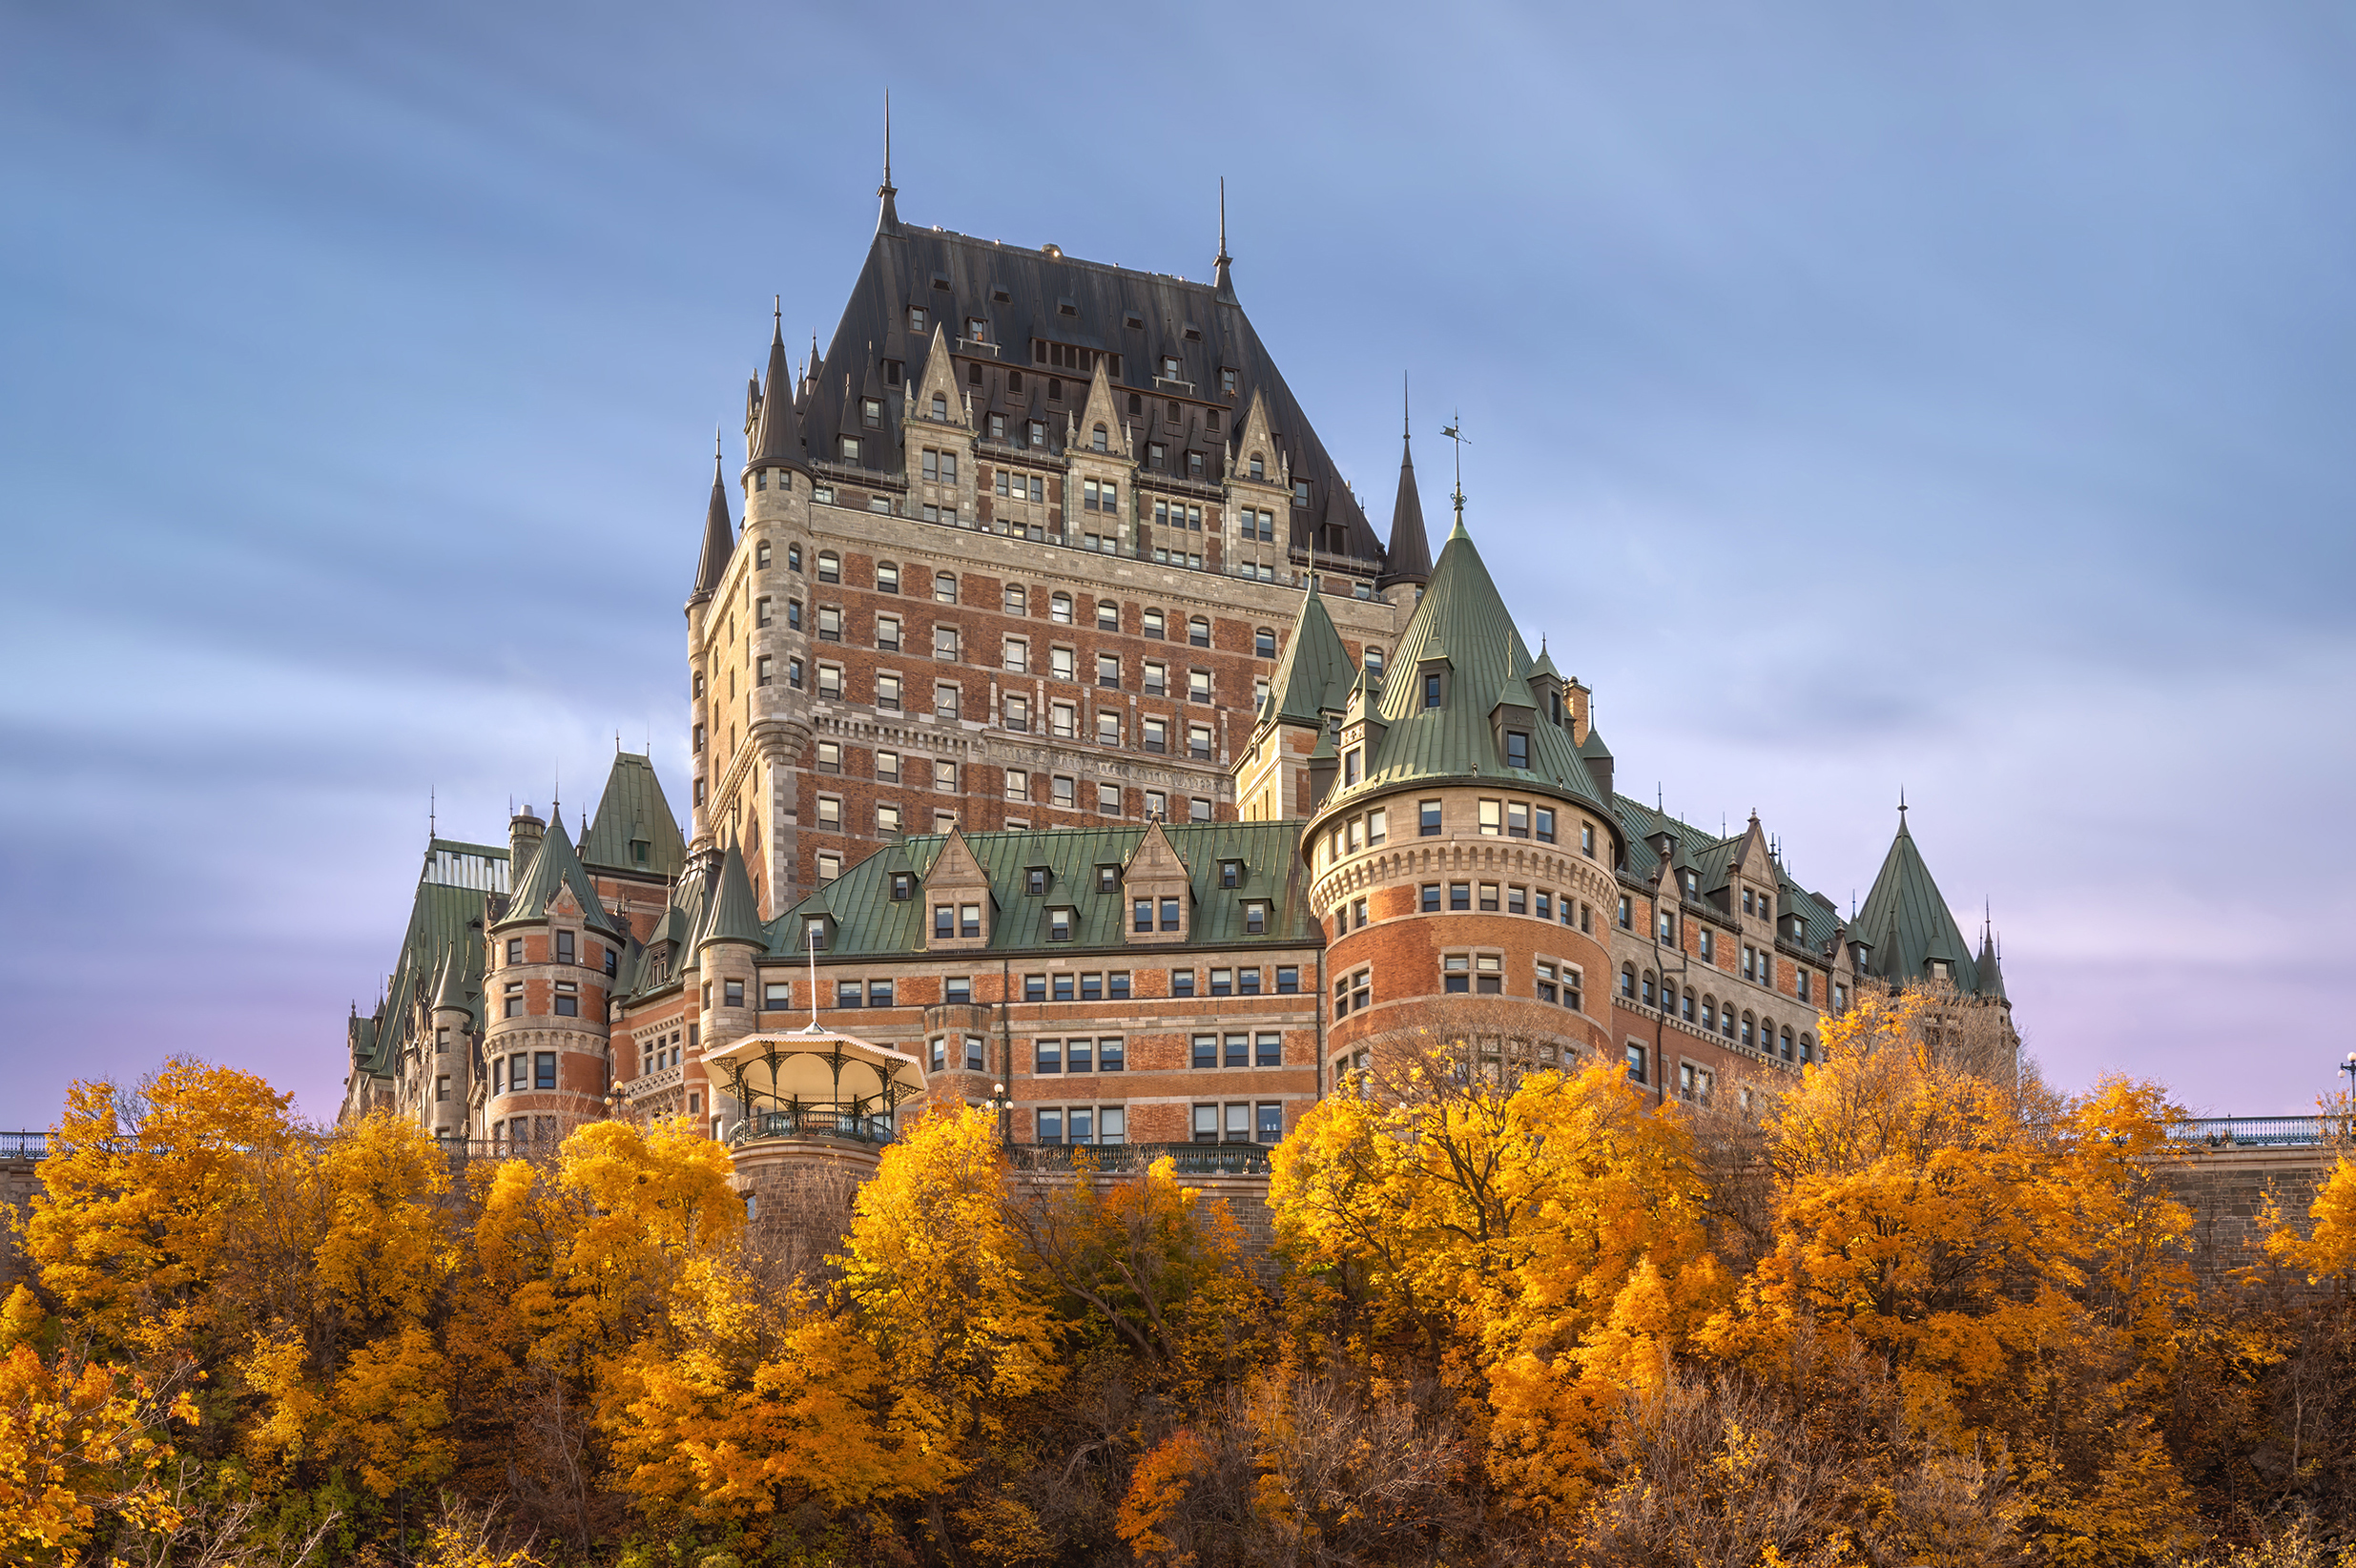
[
  {"x": 1054, "y": 250},
  {"x": 940, "y": 279},
  {"x": 1133, "y": 321},
  {"x": 1000, "y": 297},
  {"x": 1194, "y": 334},
  {"x": 1065, "y": 307}
]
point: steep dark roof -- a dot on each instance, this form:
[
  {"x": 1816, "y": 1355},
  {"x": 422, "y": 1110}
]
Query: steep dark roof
[
  {"x": 1410, "y": 553},
  {"x": 1907, "y": 921},
  {"x": 1084, "y": 305},
  {"x": 632, "y": 810},
  {"x": 719, "y": 539}
]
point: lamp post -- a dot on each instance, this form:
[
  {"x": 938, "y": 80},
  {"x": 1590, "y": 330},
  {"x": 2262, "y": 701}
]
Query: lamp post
[{"x": 1001, "y": 1107}]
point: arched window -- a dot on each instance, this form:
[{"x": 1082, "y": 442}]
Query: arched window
[
  {"x": 944, "y": 587},
  {"x": 1787, "y": 1044},
  {"x": 1748, "y": 1037},
  {"x": 1709, "y": 1012},
  {"x": 1725, "y": 1022},
  {"x": 1648, "y": 988},
  {"x": 1808, "y": 1047},
  {"x": 793, "y": 558},
  {"x": 1198, "y": 631},
  {"x": 941, "y": 406},
  {"x": 830, "y": 566},
  {"x": 1259, "y": 467},
  {"x": 1101, "y": 440},
  {"x": 1017, "y": 601},
  {"x": 1373, "y": 659},
  {"x": 888, "y": 577},
  {"x": 1264, "y": 644},
  {"x": 1687, "y": 1013},
  {"x": 1060, "y": 608},
  {"x": 1627, "y": 980}
]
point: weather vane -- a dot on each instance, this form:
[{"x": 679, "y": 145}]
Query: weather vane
[{"x": 1453, "y": 430}]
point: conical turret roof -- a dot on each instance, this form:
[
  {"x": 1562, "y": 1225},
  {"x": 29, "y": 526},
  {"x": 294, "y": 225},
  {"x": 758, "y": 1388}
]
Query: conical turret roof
[
  {"x": 1907, "y": 920},
  {"x": 777, "y": 439},
  {"x": 556, "y": 866},
  {"x": 1462, "y": 613},
  {"x": 1988, "y": 969},
  {"x": 735, "y": 916},
  {"x": 1314, "y": 676},
  {"x": 719, "y": 537},
  {"x": 632, "y": 812}
]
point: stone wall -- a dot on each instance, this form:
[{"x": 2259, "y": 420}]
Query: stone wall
[
  {"x": 17, "y": 1180},
  {"x": 2227, "y": 1189}
]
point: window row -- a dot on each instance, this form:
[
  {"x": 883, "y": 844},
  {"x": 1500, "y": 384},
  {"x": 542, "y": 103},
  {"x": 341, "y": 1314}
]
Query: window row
[
  {"x": 1237, "y": 1048},
  {"x": 1706, "y": 1011},
  {"x": 564, "y": 948},
  {"x": 1504, "y": 899},
  {"x": 1079, "y": 1054},
  {"x": 523, "y": 1072}
]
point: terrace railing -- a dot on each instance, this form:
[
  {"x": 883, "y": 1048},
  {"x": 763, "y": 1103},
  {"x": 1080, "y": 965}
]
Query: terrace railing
[{"x": 1187, "y": 1159}]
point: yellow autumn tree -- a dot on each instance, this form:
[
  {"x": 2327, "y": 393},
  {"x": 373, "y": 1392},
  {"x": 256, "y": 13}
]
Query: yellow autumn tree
[
  {"x": 349, "y": 1368},
  {"x": 142, "y": 1202},
  {"x": 1546, "y": 1245},
  {"x": 941, "y": 1285},
  {"x": 2023, "y": 1279},
  {"x": 1148, "y": 1266},
  {"x": 82, "y": 1445}
]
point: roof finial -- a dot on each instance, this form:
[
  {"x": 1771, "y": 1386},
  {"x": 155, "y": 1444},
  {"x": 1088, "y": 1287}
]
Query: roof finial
[
  {"x": 430, "y": 818},
  {"x": 1901, "y": 808},
  {"x": 1223, "y": 255},
  {"x": 1223, "y": 285},
  {"x": 1407, "y": 422}
]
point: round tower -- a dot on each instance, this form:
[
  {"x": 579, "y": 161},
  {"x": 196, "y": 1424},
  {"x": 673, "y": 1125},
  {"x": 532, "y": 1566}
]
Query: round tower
[
  {"x": 1460, "y": 852},
  {"x": 546, "y": 1046}
]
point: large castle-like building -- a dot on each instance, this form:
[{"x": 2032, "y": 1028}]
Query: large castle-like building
[{"x": 1065, "y": 739}]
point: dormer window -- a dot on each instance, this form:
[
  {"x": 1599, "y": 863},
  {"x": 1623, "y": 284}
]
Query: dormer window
[
  {"x": 918, "y": 321},
  {"x": 1259, "y": 467},
  {"x": 1100, "y": 439},
  {"x": 1059, "y": 925},
  {"x": 1517, "y": 749},
  {"x": 940, "y": 406},
  {"x": 1255, "y": 918},
  {"x": 1432, "y": 685},
  {"x": 871, "y": 413},
  {"x": 814, "y": 936},
  {"x": 1035, "y": 881},
  {"x": 1226, "y": 381},
  {"x": 976, "y": 330},
  {"x": 1231, "y": 874},
  {"x": 1108, "y": 878},
  {"x": 1942, "y": 970},
  {"x": 903, "y": 886}
]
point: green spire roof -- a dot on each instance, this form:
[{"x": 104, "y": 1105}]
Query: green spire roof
[
  {"x": 734, "y": 915},
  {"x": 1907, "y": 921},
  {"x": 1314, "y": 675},
  {"x": 1488, "y": 662},
  {"x": 556, "y": 866},
  {"x": 633, "y": 813},
  {"x": 1593, "y": 747}
]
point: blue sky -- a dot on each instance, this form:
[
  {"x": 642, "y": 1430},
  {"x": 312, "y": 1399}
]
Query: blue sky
[{"x": 1939, "y": 396}]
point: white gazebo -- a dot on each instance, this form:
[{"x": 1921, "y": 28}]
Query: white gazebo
[{"x": 814, "y": 1082}]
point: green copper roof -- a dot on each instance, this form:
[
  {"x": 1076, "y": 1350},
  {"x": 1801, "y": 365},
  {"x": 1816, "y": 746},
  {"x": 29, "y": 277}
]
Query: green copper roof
[
  {"x": 1314, "y": 674},
  {"x": 632, "y": 812},
  {"x": 1907, "y": 921},
  {"x": 869, "y": 921},
  {"x": 736, "y": 917},
  {"x": 1593, "y": 748},
  {"x": 556, "y": 866},
  {"x": 1488, "y": 664},
  {"x": 442, "y": 936}
]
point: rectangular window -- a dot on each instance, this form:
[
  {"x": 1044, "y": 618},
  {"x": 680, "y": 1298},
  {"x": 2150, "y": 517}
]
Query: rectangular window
[
  {"x": 1111, "y": 1055},
  {"x": 1545, "y": 824},
  {"x": 1492, "y": 813},
  {"x": 1269, "y": 1120},
  {"x": 1198, "y": 686},
  {"x": 1268, "y": 1051},
  {"x": 1456, "y": 974},
  {"x": 1288, "y": 981},
  {"x": 1377, "y": 827},
  {"x": 1198, "y": 741},
  {"x": 975, "y": 1058},
  {"x": 948, "y": 701},
  {"x": 1517, "y": 900},
  {"x": 1034, "y": 988},
  {"x": 1238, "y": 1052},
  {"x": 1059, "y": 925},
  {"x": 1223, "y": 982},
  {"x": 1488, "y": 898},
  {"x": 1248, "y": 982},
  {"x": 1489, "y": 975},
  {"x": 1427, "y": 814},
  {"x": 1047, "y": 1057},
  {"x": 1206, "y": 1050},
  {"x": 543, "y": 1069},
  {"x": 850, "y": 993},
  {"x": 1459, "y": 896},
  {"x": 732, "y": 993},
  {"x": 1051, "y": 1126},
  {"x": 1429, "y": 904},
  {"x": 887, "y": 691},
  {"x": 1255, "y": 918},
  {"x": 1636, "y": 1063},
  {"x": 1078, "y": 1056},
  {"x": 1181, "y": 982},
  {"x": 1169, "y": 915}
]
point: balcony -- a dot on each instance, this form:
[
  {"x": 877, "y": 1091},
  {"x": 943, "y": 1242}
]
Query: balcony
[
  {"x": 2257, "y": 1131},
  {"x": 647, "y": 1086},
  {"x": 855, "y": 1120}
]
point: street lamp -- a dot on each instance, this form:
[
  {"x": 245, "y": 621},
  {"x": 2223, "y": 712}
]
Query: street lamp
[
  {"x": 2349, "y": 1066},
  {"x": 1001, "y": 1107}
]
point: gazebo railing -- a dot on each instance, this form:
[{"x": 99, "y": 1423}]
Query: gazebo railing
[
  {"x": 1187, "y": 1159},
  {"x": 855, "y": 1120}
]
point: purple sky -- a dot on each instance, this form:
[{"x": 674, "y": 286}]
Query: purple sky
[{"x": 1937, "y": 396}]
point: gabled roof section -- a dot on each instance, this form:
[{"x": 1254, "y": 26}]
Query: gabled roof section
[
  {"x": 444, "y": 939},
  {"x": 1206, "y": 332},
  {"x": 1462, "y": 613},
  {"x": 1410, "y": 552},
  {"x": 1314, "y": 675},
  {"x": 773, "y": 437},
  {"x": 869, "y": 921},
  {"x": 1907, "y": 921},
  {"x": 719, "y": 537},
  {"x": 632, "y": 811},
  {"x": 736, "y": 917},
  {"x": 557, "y": 867}
]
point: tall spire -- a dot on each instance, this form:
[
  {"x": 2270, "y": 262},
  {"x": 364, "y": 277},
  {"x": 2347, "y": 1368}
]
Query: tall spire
[
  {"x": 1223, "y": 283},
  {"x": 719, "y": 534},
  {"x": 1409, "y": 556},
  {"x": 1455, "y": 431},
  {"x": 887, "y": 219}
]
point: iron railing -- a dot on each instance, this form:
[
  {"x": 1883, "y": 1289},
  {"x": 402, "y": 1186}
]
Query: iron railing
[
  {"x": 2258, "y": 1131},
  {"x": 1187, "y": 1159},
  {"x": 855, "y": 1120},
  {"x": 24, "y": 1145}
]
